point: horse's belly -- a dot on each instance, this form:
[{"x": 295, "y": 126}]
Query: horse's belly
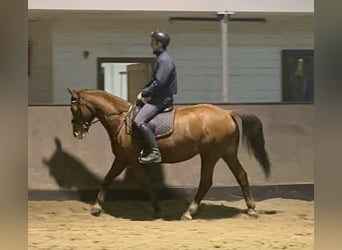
[
  {"x": 178, "y": 153},
  {"x": 168, "y": 158}
]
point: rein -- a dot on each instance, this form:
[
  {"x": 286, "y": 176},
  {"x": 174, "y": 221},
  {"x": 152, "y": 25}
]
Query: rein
[
  {"x": 119, "y": 127},
  {"x": 109, "y": 115}
]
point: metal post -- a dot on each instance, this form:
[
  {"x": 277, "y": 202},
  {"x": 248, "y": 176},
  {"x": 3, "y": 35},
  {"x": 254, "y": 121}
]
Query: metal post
[{"x": 224, "y": 45}]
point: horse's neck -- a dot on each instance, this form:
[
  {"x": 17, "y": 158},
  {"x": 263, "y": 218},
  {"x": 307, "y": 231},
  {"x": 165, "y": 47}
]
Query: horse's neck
[
  {"x": 108, "y": 110},
  {"x": 104, "y": 106}
]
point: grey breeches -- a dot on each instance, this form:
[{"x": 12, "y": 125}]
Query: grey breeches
[{"x": 146, "y": 113}]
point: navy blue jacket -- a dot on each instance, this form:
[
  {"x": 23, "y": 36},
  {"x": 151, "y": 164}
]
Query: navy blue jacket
[{"x": 163, "y": 84}]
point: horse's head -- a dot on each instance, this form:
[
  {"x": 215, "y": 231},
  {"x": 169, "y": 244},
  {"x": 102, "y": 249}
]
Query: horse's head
[{"x": 81, "y": 113}]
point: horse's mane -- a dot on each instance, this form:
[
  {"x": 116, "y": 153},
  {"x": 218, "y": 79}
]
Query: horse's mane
[{"x": 117, "y": 101}]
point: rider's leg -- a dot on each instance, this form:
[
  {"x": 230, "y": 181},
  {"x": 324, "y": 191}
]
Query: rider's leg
[
  {"x": 146, "y": 114},
  {"x": 153, "y": 155}
]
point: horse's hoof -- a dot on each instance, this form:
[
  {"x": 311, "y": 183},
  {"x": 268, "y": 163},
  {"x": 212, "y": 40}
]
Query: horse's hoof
[
  {"x": 186, "y": 216},
  {"x": 95, "y": 211},
  {"x": 157, "y": 214},
  {"x": 251, "y": 212}
]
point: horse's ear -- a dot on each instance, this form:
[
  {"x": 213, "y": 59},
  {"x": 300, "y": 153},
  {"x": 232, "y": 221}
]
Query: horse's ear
[
  {"x": 72, "y": 92},
  {"x": 58, "y": 143}
]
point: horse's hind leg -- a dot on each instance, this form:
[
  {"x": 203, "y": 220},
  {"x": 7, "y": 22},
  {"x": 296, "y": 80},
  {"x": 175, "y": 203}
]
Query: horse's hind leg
[
  {"x": 117, "y": 167},
  {"x": 207, "y": 168},
  {"x": 241, "y": 176}
]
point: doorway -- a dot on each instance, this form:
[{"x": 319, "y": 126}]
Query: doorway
[{"x": 124, "y": 77}]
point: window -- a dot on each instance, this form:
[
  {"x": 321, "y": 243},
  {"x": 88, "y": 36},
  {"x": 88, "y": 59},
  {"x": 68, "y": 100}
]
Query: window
[{"x": 297, "y": 75}]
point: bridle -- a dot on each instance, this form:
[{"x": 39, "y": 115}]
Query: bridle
[
  {"x": 86, "y": 124},
  {"x": 79, "y": 120}
]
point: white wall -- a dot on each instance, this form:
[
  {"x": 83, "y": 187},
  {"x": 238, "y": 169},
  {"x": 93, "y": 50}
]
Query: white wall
[
  {"x": 255, "y": 56},
  {"x": 254, "y": 53},
  {"x": 40, "y": 89},
  {"x": 177, "y": 5}
]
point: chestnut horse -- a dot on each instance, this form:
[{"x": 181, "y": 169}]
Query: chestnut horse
[{"x": 203, "y": 129}]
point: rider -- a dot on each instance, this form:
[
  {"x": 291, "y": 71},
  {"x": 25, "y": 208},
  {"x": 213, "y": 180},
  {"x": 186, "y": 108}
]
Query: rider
[{"x": 157, "y": 94}]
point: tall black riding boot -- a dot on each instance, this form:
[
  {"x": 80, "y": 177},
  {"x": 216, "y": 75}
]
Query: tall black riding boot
[{"x": 154, "y": 153}]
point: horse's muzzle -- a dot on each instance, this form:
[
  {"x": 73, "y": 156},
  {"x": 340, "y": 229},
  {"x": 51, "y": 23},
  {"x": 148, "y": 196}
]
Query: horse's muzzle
[{"x": 79, "y": 135}]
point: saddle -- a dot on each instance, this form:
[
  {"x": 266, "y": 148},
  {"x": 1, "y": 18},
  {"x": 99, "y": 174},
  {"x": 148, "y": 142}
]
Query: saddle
[{"x": 161, "y": 124}]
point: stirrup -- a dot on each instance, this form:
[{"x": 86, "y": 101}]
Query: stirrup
[
  {"x": 142, "y": 154},
  {"x": 153, "y": 157},
  {"x": 156, "y": 161}
]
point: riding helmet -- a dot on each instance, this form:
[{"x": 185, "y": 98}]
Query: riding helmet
[{"x": 162, "y": 37}]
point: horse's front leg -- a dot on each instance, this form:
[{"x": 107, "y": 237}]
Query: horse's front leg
[{"x": 117, "y": 167}]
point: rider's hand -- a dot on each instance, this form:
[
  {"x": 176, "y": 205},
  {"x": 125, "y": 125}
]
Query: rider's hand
[{"x": 139, "y": 97}]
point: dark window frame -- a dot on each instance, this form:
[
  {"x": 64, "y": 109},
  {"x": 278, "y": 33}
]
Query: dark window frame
[{"x": 286, "y": 54}]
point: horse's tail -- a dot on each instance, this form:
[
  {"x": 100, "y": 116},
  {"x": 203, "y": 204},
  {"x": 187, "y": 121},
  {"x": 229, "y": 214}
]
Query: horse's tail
[{"x": 253, "y": 138}]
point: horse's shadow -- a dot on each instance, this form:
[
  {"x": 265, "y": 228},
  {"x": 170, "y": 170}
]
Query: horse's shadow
[
  {"x": 173, "y": 209},
  {"x": 71, "y": 174}
]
